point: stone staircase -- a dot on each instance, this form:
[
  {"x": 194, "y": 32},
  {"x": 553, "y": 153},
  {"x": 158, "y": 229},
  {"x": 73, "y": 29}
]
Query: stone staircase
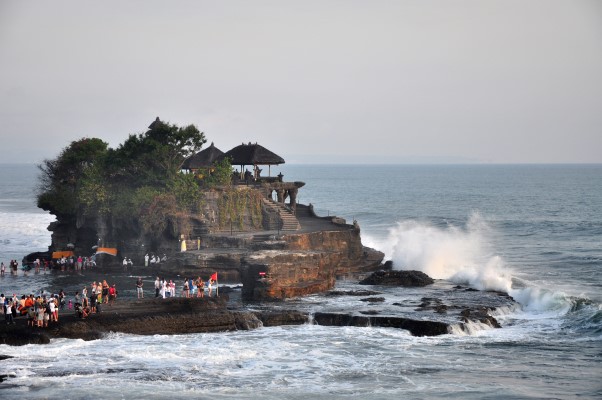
[{"x": 289, "y": 221}]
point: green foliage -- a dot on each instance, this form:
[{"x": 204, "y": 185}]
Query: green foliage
[
  {"x": 187, "y": 192},
  {"x": 154, "y": 158},
  {"x": 60, "y": 179},
  {"x": 220, "y": 174},
  {"x": 163, "y": 217},
  {"x": 235, "y": 204},
  {"x": 138, "y": 185},
  {"x": 93, "y": 194}
]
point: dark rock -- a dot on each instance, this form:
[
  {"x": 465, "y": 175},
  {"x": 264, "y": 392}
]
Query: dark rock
[
  {"x": 398, "y": 278},
  {"x": 370, "y": 312},
  {"x": 285, "y": 317},
  {"x": 373, "y": 300},
  {"x": 351, "y": 293},
  {"x": 415, "y": 327}
]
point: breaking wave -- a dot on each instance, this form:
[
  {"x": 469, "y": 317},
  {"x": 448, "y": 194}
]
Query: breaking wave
[{"x": 465, "y": 255}]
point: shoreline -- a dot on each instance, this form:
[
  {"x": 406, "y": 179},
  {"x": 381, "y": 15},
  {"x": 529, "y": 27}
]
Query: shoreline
[{"x": 181, "y": 315}]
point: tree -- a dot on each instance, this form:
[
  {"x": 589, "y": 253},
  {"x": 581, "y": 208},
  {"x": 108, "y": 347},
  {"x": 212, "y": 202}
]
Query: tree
[
  {"x": 153, "y": 158},
  {"x": 60, "y": 179}
]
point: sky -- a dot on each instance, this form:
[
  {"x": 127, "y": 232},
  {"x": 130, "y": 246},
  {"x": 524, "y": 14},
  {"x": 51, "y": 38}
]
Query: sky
[{"x": 327, "y": 81}]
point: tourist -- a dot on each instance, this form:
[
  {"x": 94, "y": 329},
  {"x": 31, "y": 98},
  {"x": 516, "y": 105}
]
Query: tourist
[
  {"x": 210, "y": 286},
  {"x": 157, "y": 286},
  {"x": 3, "y": 303},
  {"x": 105, "y": 292},
  {"x": 186, "y": 289},
  {"x": 54, "y": 312},
  {"x": 146, "y": 261},
  {"x": 163, "y": 289},
  {"x": 9, "y": 313},
  {"x": 40, "y": 315},
  {"x": 139, "y": 290},
  {"x": 93, "y": 302},
  {"x": 46, "y": 314},
  {"x": 172, "y": 288},
  {"x": 31, "y": 316},
  {"x": 61, "y": 299},
  {"x": 191, "y": 287},
  {"x": 125, "y": 263},
  {"x": 112, "y": 294},
  {"x": 199, "y": 287},
  {"x": 2, "y": 269}
]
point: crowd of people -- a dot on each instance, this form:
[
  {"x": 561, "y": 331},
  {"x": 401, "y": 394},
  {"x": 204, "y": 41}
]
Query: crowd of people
[
  {"x": 64, "y": 264},
  {"x": 39, "y": 310},
  {"x": 44, "y": 308},
  {"x": 190, "y": 287}
]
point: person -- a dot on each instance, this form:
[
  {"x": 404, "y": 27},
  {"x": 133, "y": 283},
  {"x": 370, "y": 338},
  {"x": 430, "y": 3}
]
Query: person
[
  {"x": 2, "y": 269},
  {"x": 172, "y": 288},
  {"x": 105, "y": 291},
  {"x": 61, "y": 299},
  {"x": 31, "y": 317},
  {"x": 139, "y": 290},
  {"x": 146, "y": 260},
  {"x": 54, "y": 311},
  {"x": 125, "y": 263},
  {"x": 186, "y": 289},
  {"x": 210, "y": 286},
  {"x": 40, "y": 315},
  {"x": 93, "y": 301},
  {"x": 80, "y": 311},
  {"x": 200, "y": 287},
  {"x": 112, "y": 294},
  {"x": 157, "y": 286},
  {"x": 163, "y": 291},
  {"x": 9, "y": 313}
]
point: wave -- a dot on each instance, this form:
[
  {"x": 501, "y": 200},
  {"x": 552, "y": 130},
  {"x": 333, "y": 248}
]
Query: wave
[
  {"x": 461, "y": 255},
  {"x": 23, "y": 233},
  {"x": 465, "y": 255}
]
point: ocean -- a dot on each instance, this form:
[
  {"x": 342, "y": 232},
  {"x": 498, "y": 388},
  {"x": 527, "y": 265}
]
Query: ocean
[{"x": 534, "y": 231}]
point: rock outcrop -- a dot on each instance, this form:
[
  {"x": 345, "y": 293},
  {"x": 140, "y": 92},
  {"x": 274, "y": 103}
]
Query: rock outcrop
[{"x": 398, "y": 278}]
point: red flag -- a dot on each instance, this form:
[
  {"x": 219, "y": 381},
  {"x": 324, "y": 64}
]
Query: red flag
[{"x": 214, "y": 276}]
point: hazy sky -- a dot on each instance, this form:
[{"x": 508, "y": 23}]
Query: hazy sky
[{"x": 426, "y": 81}]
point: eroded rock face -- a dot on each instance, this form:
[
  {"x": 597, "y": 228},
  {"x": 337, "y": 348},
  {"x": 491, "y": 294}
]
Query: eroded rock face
[
  {"x": 276, "y": 275},
  {"x": 415, "y": 327},
  {"x": 398, "y": 278}
]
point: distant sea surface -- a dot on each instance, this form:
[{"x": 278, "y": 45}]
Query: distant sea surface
[{"x": 534, "y": 231}]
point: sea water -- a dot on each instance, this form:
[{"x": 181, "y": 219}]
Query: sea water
[{"x": 534, "y": 231}]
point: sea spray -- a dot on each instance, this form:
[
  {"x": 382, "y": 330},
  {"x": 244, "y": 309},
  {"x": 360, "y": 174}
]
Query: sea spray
[{"x": 462, "y": 255}]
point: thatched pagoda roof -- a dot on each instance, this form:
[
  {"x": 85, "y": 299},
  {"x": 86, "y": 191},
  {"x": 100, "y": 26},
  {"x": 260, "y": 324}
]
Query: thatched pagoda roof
[
  {"x": 253, "y": 154},
  {"x": 202, "y": 159}
]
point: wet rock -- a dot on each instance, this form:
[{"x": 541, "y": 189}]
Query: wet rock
[
  {"x": 285, "y": 317},
  {"x": 398, "y": 278},
  {"x": 415, "y": 327},
  {"x": 334, "y": 293},
  {"x": 373, "y": 300}
]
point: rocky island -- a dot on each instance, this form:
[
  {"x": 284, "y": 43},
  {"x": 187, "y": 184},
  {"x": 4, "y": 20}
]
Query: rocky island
[{"x": 157, "y": 194}]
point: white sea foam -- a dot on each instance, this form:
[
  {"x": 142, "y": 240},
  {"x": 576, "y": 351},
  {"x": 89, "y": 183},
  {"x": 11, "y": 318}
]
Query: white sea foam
[
  {"x": 23, "y": 233},
  {"x": 462, "y": 255}
]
